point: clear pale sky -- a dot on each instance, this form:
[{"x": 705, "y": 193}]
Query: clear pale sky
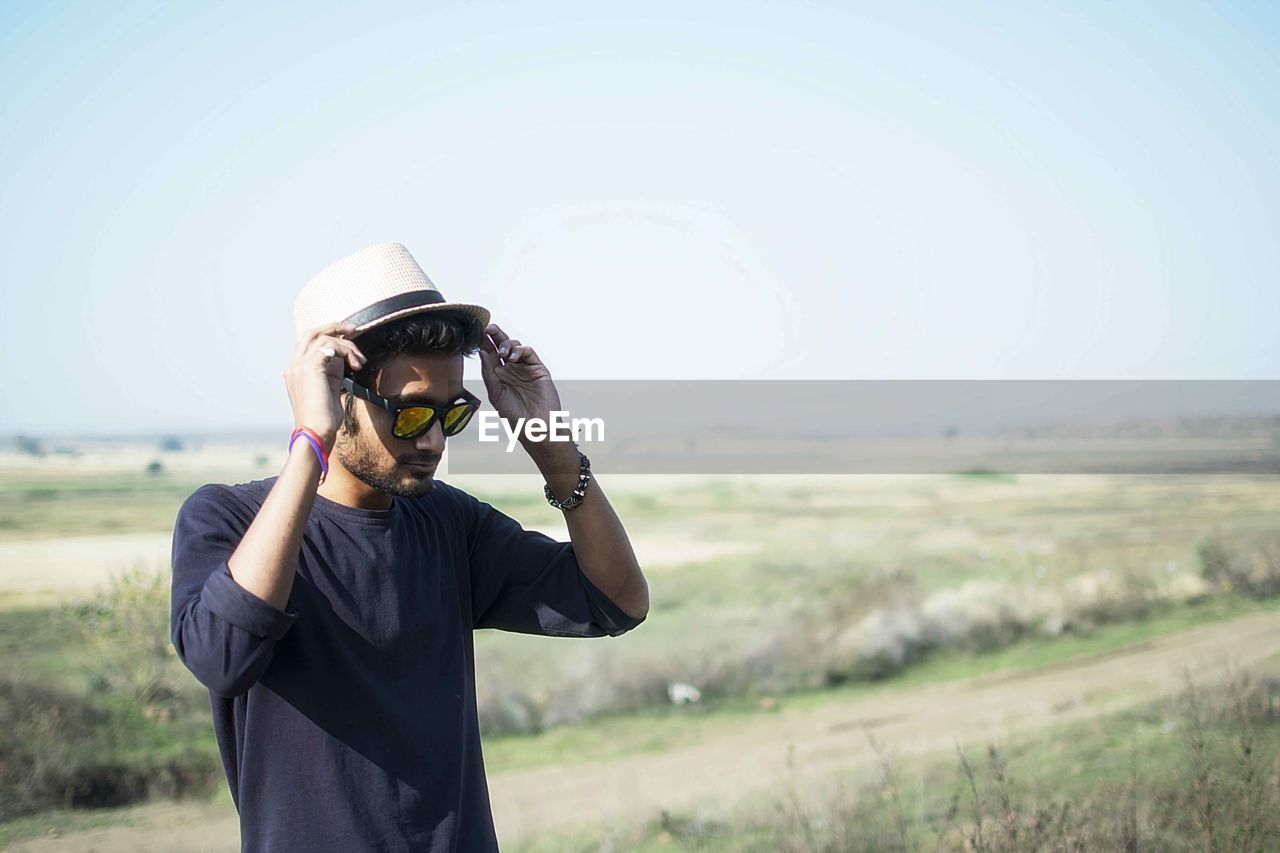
[{"x": 683, "y": 190}]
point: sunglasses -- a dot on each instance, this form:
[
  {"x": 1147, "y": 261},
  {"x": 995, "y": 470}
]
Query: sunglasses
[{"x": 413, "y": 419}]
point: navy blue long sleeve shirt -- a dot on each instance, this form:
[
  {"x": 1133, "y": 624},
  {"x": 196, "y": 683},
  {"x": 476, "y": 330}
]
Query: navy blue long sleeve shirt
[{"x": 347, "y": 721}]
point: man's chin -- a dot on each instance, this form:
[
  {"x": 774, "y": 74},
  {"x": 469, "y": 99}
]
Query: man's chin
[{"x": 419, "y": 482}]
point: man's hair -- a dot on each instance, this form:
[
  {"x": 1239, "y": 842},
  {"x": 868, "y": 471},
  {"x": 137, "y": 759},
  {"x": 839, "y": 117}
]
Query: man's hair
[{"x": 447, "y": 332}]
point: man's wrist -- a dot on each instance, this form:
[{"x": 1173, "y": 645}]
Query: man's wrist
[
  {"x": 303, "y": 454},
  {"x": 329, "y": 438},
  {"x": 567, "y": 474},
  {"x": 553, "y": 457},
  {"x": 559, "y": 463}
]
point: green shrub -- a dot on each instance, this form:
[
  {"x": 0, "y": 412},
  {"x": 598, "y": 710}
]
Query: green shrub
[
  {"x": 1251, "y": 569},
  {"x": 126, "y": 629},
  {"x": 59, "y": 750}
]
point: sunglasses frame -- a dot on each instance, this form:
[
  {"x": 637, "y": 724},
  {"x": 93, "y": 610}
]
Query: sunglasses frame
[{"x": 437, "y": 412}]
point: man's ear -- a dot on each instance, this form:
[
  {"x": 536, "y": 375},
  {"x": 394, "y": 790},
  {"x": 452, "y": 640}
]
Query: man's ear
[{"x": 345, "y": 399}]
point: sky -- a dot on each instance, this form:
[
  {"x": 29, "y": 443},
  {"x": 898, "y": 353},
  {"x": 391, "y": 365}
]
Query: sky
[{"x": 763, "y": 190}]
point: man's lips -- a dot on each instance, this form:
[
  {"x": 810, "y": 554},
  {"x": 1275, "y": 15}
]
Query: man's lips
[{"x": 422, "y": 465}]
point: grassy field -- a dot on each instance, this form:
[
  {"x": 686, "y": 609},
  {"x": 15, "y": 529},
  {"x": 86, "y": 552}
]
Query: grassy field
[
  {"x": 1194, "y": 771},
  {"x": 767, "y": 594},
  {"x": 667, "y": 727},
  {"x": 838, "y": 553}
]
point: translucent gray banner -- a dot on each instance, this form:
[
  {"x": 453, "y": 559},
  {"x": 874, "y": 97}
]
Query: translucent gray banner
[{"x": 903, "y": 427}]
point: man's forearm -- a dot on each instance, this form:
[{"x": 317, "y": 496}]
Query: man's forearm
[
  {"x": 266, "y": 560},
  {"x": 599, "y": 541}
]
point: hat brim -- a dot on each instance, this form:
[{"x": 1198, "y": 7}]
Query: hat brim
[{"x": 477, "y": 311}]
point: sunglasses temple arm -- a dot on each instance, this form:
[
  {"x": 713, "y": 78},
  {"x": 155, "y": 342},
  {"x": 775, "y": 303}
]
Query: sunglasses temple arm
[{"x": 366, "y": 394}]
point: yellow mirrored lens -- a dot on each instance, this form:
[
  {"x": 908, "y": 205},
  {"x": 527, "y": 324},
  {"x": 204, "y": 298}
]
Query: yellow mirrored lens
[
  {"x": 412, "y": 420},
  {"x": 457, "y": 417}
]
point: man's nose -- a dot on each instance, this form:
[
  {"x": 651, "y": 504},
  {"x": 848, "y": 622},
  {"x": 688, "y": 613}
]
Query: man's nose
[{"x": 432, "y": 440}]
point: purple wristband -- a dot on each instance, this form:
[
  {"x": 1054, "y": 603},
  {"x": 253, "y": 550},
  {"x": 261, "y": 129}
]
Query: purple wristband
[{"x": 324, "y": 465}]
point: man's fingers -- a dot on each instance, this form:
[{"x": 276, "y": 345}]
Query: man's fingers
[
  {"x": 328, "y": 329},
  {"x": 340, "y": 346},
  {"x": 494, "y": 331},
  {"x": 501, "y": 345},
  {"x": 522, "y": 353},
  {"x": 309, "y": 336}
]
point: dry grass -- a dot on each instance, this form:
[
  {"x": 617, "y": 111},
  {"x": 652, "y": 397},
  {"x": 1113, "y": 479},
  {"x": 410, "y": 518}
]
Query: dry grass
[
  {"x": 873, "y": 627},
  {"x": 1201, "y": 772}
]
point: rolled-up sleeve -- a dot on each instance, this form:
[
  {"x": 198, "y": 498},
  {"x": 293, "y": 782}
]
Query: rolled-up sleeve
[
  {"x": 222, "y": 632},
  {"x": 526, "y": 582}
]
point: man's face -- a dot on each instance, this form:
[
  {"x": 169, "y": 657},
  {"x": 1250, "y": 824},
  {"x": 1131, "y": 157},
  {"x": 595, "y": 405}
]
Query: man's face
[{"x": 375, "y": 456}]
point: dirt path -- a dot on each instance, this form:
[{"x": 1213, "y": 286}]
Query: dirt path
[
  {"x": 57, "y": 568},
  {"x": 751, "y": 756},
  {"x": 76, "y": 564}
]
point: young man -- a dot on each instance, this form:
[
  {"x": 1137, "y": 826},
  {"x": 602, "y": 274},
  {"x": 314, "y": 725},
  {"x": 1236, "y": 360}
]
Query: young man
[{"x": 330, "y": 609}]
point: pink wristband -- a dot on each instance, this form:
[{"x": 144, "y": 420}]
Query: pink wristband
[{"x": 303, "y": 432}]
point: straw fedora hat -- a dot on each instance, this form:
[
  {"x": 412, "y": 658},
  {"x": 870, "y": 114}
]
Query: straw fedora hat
[{"x": 370, "y": 287}]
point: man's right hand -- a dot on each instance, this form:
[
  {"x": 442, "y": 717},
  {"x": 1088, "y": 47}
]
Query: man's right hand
[{"x": 314, "y": 379}]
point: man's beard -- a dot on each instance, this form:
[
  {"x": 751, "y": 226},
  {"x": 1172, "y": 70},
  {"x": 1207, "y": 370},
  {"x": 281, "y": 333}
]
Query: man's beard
[{"x": 360, "y": 459}]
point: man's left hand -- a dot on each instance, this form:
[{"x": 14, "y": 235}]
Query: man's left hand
[{"x": 518, "y": 383}]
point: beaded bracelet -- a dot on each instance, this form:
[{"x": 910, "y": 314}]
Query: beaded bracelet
[
  {"x": 316, "y": 444},
  {"x": 584, "y": 476}
]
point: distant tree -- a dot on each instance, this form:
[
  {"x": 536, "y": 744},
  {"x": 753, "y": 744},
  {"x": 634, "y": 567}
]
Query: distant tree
[
  {"x": 29, "y": 445},
  {"x": 260, "y": 460},
  {"x": 171, "y": 444},
  {"x": 155, "y": 468}
]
